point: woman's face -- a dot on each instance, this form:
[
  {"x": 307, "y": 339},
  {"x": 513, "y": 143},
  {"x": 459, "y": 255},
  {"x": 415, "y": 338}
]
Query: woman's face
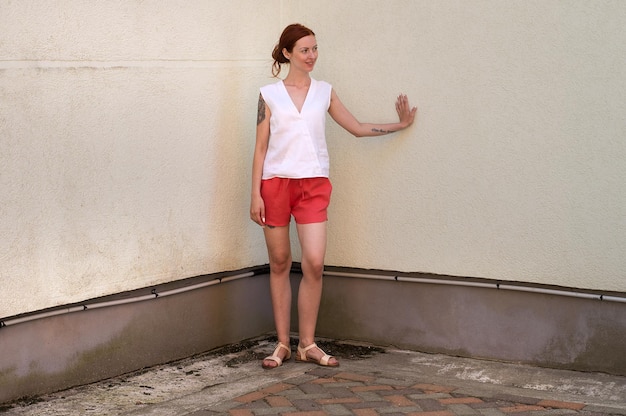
[{"x": 304, "y": 54}]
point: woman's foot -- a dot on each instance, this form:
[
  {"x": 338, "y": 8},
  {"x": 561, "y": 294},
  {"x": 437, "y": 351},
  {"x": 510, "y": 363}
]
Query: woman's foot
[
  {"x": 281, "y": 353},
  {"x": 315, "y": 354}
]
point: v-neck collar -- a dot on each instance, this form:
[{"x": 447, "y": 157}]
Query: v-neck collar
[{"x": 306, "y": 98}]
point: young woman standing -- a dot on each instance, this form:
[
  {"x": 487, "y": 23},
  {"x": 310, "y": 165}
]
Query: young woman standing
[{"x": 290, "y": 178}]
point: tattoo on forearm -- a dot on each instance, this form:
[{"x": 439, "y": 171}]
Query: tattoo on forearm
[
  {"x": 375, "y": 130},
  {"x": 261, "y": 112}
]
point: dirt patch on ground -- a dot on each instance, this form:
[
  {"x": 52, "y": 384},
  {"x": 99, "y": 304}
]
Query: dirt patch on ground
[
  {"x": 231, "y": 356},
  {"x": 256, "y": 350}
]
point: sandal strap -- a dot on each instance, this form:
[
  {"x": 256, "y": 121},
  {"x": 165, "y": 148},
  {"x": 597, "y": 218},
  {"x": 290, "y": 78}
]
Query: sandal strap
[
  {"x": 283, "y": 346},
  {"x": 302, "y": 351},
  {"x": 274, "y": 357},
  {"x": 310, "y": 347},
  {"x": 323, "y": 361}
]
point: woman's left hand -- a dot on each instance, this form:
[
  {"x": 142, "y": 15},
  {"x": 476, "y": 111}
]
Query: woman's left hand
[{"x": 405, "y": 112}]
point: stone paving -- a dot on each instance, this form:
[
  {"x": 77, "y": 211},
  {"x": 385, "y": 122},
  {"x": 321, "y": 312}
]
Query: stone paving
[
  {"x": 333, "y": 392},
  {"x": 370, "y": 381}
]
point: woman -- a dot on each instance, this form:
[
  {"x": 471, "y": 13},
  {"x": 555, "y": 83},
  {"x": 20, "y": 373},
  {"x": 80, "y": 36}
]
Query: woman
[{"x": 290, "y": 177}]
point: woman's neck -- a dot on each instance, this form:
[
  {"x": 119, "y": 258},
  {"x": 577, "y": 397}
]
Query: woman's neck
[{"x": 299, "y": 80}]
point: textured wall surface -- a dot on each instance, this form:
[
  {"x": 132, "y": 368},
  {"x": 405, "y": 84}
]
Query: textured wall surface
[
  {"x": 516, "y": 167},
  {"x": 126, "y": 132},
  {"x": 126, "y": 135}
]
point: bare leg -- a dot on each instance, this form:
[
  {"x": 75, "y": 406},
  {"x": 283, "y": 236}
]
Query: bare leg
[
  {"x": 313, "y": 242},
  {"x": 279, "y": 251}
]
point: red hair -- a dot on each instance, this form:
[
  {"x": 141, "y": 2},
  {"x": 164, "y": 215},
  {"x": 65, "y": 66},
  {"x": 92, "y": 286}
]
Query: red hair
[{"x": 288, "y": 39}]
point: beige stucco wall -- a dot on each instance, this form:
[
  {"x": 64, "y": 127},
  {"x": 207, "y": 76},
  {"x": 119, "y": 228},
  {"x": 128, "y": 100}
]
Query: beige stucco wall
[
  {"x": 127, "y": 129},
  {"x": 516, "y": 168}
]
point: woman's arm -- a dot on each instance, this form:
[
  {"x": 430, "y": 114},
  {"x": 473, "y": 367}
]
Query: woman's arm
[
  {"x": 345, "y": 119},
  {"x": 257, "y": 206}
]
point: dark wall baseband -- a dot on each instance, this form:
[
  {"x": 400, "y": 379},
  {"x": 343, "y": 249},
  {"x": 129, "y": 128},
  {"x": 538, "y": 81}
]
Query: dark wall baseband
[
  {"x": 76, "y": 344},
  {"x": 46, "y": 354},
  {"x": 540, "y": 326}
]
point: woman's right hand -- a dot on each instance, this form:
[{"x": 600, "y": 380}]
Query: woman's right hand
[
  {"x": 406, "y": 113},
  {"x": 257, "y": 210}
]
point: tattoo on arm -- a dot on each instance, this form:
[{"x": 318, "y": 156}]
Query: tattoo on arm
[
  {"x": 375, "y": 130},
  {"x": 261, "y": 112}
]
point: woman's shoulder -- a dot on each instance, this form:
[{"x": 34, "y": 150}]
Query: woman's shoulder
[
  {"x": 321, "y": 82},
  {"x": 323, "y": 85},
  {"x": 273, "y": 85}
]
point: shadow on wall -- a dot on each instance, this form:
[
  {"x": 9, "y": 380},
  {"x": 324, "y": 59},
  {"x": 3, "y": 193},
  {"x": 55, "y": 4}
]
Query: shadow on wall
[{"x": 233, "y": 136}]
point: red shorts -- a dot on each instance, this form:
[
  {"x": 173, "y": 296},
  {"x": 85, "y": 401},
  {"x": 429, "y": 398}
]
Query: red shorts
[{"x": 306, "y": 199}]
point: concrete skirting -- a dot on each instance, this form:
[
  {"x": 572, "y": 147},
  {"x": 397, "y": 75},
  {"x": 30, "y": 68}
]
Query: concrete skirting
[
  {"x": 56, "y": 352},
  {"x": 561, "y": 332}
]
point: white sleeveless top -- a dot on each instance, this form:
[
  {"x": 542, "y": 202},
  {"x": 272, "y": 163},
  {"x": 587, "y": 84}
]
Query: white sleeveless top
[{"x": 297, "y": 143}]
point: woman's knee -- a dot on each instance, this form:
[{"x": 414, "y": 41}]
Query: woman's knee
[
  {"x": 313, "y": 268},
  {"x": 280, "y": 263}
]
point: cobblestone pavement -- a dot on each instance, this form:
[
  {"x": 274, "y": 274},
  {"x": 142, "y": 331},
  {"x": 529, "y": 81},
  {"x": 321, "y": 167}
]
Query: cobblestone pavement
[
  {"x": 334, "y": 392},
  {"x": 370, "y": 381}
]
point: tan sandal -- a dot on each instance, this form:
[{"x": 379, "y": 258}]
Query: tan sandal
[
  {"x": 324, "y": 361},
  {"x": 274, "y": 357}
]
